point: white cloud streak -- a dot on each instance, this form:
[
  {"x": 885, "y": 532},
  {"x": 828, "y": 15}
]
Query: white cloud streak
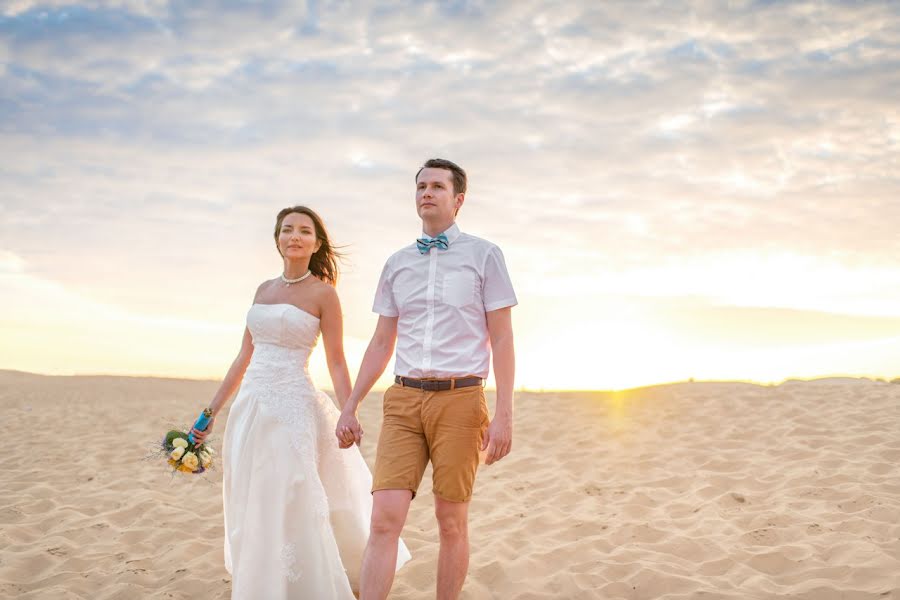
[{"x": 147, "y": 145}]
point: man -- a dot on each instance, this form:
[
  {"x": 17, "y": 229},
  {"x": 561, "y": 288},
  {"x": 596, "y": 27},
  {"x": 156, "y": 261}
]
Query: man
[{"x": 446, "y": 301}]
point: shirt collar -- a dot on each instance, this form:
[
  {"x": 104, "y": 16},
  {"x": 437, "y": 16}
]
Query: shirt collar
[{"x": 451, "y": 232}]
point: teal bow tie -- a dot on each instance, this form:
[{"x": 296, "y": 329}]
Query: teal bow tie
[{"x": 425, "y": 243}]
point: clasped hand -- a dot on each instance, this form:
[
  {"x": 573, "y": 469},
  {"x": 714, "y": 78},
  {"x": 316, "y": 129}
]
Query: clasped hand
[{"x": 348, "y": 430}]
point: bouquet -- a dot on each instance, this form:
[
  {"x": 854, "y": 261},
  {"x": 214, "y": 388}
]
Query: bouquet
[{"x": 183, "y": 453}]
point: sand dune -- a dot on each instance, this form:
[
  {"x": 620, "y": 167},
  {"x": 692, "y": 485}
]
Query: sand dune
[{"x": 695, "y": 490}]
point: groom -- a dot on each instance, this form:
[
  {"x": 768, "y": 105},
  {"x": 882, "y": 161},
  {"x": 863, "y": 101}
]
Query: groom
[{"x": 446, "y": 302}]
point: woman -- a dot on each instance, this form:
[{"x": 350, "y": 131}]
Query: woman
[{"x": 297, "y": 506}]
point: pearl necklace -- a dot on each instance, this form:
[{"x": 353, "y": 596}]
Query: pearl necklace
[{"x": 288, "y": 282}]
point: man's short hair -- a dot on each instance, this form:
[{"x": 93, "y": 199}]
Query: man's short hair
[{"x": 456, "y": 172}]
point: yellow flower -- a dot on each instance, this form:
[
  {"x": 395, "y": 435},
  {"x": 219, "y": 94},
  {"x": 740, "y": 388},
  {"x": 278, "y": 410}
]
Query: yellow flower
[
  {"x": 180, "y": 442},
  {"x": 185, "y": 469},
  {"x": 177, "y": 453},
  {"x": 190, "y": 461}
]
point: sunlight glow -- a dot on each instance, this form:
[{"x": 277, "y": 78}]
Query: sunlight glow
[
  {"x": 601, "y": 340},
  {"x": 675, "y": 197}
]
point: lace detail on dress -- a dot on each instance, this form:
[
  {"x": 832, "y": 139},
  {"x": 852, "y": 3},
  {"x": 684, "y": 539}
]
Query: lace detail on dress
[
  {"x": 289, "y": 563},
  {"x": 321, "y": 509},
  {"x": 277, "y": 378}
]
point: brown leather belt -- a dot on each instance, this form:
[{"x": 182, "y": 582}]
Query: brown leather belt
[{"x": 438, "y": 385}]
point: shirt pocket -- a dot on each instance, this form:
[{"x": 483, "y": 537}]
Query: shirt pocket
[{"x": 459, "y": 289}]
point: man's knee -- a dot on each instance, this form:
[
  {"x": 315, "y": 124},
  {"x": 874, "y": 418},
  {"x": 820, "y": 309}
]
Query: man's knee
[
  {"x": 452, "y": 518},
  {"x": 389, "y": 513}
]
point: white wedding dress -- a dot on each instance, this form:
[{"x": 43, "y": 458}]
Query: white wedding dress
[{"x": 297, "y": 507}]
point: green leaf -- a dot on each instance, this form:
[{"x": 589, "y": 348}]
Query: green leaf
[{"x": 172, "y": 435}]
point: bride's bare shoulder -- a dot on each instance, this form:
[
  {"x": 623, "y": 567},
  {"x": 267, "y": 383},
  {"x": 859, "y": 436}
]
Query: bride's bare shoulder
[
  {"x": 324, "y": 293},
  {"x": 264, "y": 287}
]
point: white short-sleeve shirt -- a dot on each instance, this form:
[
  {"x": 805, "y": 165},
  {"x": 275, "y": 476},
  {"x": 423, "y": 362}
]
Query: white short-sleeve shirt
[{"x": 441, "y": 299}]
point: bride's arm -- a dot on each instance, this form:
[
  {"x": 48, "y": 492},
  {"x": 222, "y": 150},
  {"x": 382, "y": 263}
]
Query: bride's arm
[
  {"x": 229, "y": 384},
  {"x": 332, "y": 325},
  {"x": 235, "y": 374}
]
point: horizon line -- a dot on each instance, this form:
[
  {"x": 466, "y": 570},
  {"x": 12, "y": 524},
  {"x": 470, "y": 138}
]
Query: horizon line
[{"x": 541, "y": 390}]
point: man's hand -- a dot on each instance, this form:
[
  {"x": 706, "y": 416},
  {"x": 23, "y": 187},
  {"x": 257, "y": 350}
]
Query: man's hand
[
  {"x": 348, "y": 430},
  {"x": 497, "y": 440}
]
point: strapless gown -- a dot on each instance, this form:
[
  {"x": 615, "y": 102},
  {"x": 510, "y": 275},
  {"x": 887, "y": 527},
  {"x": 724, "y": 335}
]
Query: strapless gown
[{"x": 297, "y": 507}]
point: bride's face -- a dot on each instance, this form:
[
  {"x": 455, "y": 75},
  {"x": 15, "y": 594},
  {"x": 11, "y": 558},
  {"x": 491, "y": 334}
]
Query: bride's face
[{"x": 297, "y": 237}]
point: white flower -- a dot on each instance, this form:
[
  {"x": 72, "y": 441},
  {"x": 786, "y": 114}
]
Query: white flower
[
  {"x": 180, "y": 442},
  {"x": 205, "y": 459},
  {"x": 191, "y": 461},
  {"x": 177, "y": 453}
]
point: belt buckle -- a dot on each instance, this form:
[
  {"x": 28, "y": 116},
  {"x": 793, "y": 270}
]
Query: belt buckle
[{"x": 431, "y": 386}]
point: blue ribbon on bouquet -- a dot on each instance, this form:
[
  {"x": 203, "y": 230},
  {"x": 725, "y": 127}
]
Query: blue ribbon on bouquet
[{"x": 201, "y": 423}]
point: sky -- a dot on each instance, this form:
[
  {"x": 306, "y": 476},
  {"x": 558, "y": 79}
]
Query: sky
[{"x": 703, "y": 190}]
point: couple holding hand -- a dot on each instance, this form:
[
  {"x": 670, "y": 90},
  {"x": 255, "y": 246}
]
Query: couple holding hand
[{"x": 304, "y": 517}]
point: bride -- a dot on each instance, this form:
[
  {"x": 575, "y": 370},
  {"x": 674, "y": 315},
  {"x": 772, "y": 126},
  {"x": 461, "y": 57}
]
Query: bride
[{"x": 297, "y": 506}]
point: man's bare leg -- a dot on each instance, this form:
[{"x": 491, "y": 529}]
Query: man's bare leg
[
  {"x": 453, "y": 560},
  {"x": 389, "y": 509}
]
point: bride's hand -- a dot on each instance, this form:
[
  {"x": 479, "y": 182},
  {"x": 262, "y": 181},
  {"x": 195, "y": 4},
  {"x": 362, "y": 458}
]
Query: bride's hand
[
  {"x": 348, "y": 430},
  {"x": 200, "y": 436}
]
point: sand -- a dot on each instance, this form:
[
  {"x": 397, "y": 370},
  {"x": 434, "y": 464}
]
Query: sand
[{"x": 694, "y": 490}]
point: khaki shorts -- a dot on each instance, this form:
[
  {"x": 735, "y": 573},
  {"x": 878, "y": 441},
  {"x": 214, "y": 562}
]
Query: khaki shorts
[{"x": 444, "y": 427}]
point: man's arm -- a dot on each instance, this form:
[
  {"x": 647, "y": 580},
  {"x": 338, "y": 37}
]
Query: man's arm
[
  {"x": 375, "y": 360},
  {"x": 498, "y": 439}
]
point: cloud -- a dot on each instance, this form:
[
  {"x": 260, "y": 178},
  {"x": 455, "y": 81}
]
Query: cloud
[
  {"x": 742, "y": 153},
  {"x": 10, "y": 263}
]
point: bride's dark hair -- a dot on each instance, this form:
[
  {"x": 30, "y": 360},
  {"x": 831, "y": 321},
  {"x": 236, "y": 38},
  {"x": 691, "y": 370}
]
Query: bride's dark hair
[{"x": 323, "y": 263}]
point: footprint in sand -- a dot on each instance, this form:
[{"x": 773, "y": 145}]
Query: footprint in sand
[
  {"x": 858, "y": 504},
  {"x": 10, "y": 514},
  {"x": 761, "y": 537},
  {"x": 16, "y": 590}
]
